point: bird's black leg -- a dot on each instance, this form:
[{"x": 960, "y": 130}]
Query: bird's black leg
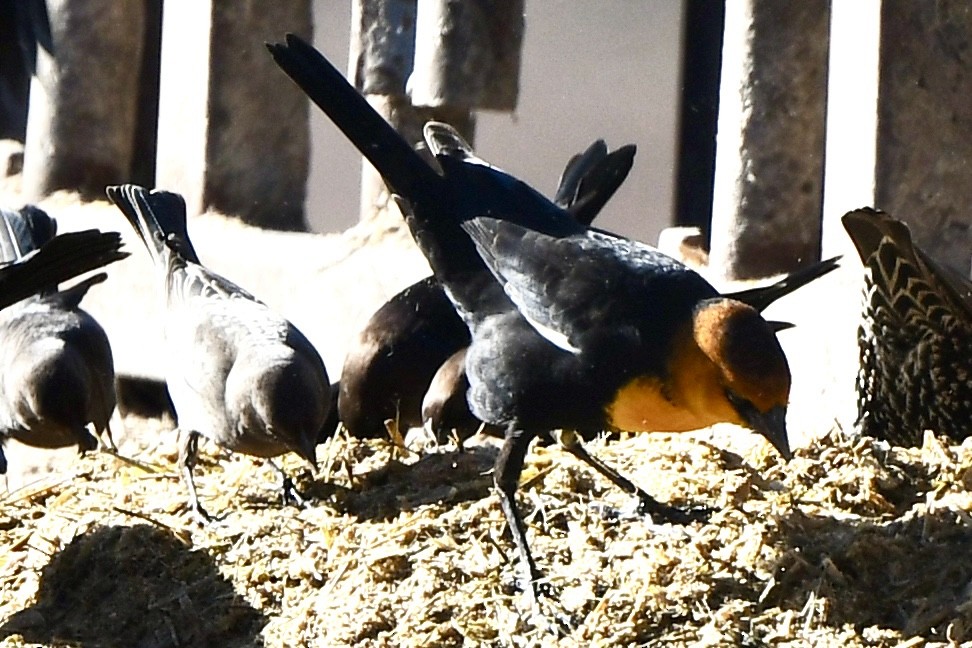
[
  {"x": 648, "y": 505},
  {"x": 188, "y": 447},
  {"x": 288, "y": 491},
  {"x": 506, "y": 476}
]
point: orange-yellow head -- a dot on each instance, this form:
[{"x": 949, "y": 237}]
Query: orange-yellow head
[
  {"x": 750, "y": 384},
  {"x": 725, "y": 365}
]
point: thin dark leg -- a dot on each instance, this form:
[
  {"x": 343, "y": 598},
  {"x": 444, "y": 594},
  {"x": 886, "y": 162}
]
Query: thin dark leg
[
  {"x": 648, "y": 505},
  {"x": 506, "y": 477},
  {"x": 288, "y": 491},
  {"x": 109, "y": 439},
  {"x": 188, "y": 447}
]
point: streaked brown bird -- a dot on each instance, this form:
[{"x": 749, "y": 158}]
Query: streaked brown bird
[{"x": 915, "y": 336}]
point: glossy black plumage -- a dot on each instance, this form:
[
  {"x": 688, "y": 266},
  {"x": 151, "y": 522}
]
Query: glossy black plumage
[
  {"x": 571, "y": 328},
  {"x": 915, "y": 337},
  {"x": 62, "y": 258},
  {"x": 403, "y": 345}
]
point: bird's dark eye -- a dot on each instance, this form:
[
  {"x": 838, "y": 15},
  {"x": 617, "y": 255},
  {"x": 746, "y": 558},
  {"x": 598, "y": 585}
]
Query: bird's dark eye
[{"x": 740, "y": 404}]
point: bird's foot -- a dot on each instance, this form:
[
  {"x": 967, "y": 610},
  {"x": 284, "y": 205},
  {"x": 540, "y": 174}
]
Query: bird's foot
[
  {"x": 201, "y": 516},
  {"x": 543, "y": 600},
  {"x": 666, "y": 513},
  {"x": 290, "y": 495}
]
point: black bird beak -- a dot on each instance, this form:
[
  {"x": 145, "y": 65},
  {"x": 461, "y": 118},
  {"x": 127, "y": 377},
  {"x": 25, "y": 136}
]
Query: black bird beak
[
  {"x": 772, "y": 425},
  {"x": 307, "y": 448}
]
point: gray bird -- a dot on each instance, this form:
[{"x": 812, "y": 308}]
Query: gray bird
[
  {"x": 58, "y": 376},
  {"x": 59, "y": 372},
  {"x": 238, "y": 373}
]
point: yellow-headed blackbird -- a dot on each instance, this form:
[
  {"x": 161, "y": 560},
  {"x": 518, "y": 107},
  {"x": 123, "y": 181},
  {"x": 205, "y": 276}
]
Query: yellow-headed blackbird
[
  {"x": 238, "y": 373},
  {"x": 58, "y": 375},
  {"x": 915, "y": 337},
  {"x": 445, "y": 407},
  {"x": 400, "y": 348},
  {"x": 572, "y": 328}
]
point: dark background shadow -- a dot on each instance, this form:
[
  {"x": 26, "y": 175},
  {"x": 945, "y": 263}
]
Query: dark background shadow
[{"x": 135, "y": 586}]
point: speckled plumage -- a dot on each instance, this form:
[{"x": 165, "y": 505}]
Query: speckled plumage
[{"x": 915, "y": 337}]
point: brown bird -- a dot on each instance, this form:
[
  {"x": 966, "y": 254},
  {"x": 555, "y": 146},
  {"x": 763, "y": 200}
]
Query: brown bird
[
  {"x": 915, "y": 337},
  {"x": 57, "y": 385},
  {"x": 571, "y": 328}
]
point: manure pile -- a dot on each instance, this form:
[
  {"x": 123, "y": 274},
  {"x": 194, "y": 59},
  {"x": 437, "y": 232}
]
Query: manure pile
[{"x": 852, "y": 543}]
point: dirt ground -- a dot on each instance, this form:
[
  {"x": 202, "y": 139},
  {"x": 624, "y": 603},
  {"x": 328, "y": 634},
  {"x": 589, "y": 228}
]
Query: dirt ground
[{"x": 851, "y": 543}]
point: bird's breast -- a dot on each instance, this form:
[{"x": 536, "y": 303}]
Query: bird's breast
[{"x": 642, "y": 405}]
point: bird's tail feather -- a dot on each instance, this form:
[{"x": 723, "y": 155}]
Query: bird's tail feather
[
  {"x": 761, "y": 297},
  {"x": 24, "y": 231},
  {"x": 404, "y": 170},
  {"x": 159, "y": 218},
  {"x": 62, "y": 258},
  {"x": 421, "y": 193}
]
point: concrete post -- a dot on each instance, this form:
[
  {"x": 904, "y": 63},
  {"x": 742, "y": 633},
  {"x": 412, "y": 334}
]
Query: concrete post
[
  {"x": 24, "y": 28},
  {"x": 467, "y": 54},
  {"x": 385, "y": 48},
  {"x": 380, "y": 58},
  {"x": 769, "y": 159},
  {"x": 233, "y": 136},
  {"x": 81, "y": 120},
  {"x": 924, "y": 152}
]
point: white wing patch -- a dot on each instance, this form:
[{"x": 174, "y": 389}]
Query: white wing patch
[{"x": 552, "y": 335}]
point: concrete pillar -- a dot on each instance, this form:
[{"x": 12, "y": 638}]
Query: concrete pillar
[
  {"x": 81, "y": 120},
  {"x": 467, "y": 54},
  {"x": 147, "y": 114},
  {"x": 233, "y": 136},
  {"x": 381, "y": 61},
  {"x": 769, "y": 158},
  {"x": 380, "y": 57},
  {"x": 24, "y": 27},
  {"x": 923, "y": 173}
]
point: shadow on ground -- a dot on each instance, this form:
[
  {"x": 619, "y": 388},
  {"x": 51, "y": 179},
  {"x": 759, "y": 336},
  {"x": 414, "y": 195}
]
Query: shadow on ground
[
  {"x": 911, "y": 574},
  {"x": 436, "y": 478},
  {"x": 135, "y": 586}
]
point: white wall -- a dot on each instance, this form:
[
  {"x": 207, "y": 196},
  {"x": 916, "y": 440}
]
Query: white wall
[{"x": 606, "y": 69}]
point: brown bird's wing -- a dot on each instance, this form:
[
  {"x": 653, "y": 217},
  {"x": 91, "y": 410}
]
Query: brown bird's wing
[{"x": 915, "y": 337}]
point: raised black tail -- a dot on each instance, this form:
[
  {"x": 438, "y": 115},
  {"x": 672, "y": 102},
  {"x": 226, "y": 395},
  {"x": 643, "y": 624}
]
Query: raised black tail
[
  {"x": 158, "y": 217},
  {"x": 404, "y": 170},
  {"x": 425, "y": 197}
]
